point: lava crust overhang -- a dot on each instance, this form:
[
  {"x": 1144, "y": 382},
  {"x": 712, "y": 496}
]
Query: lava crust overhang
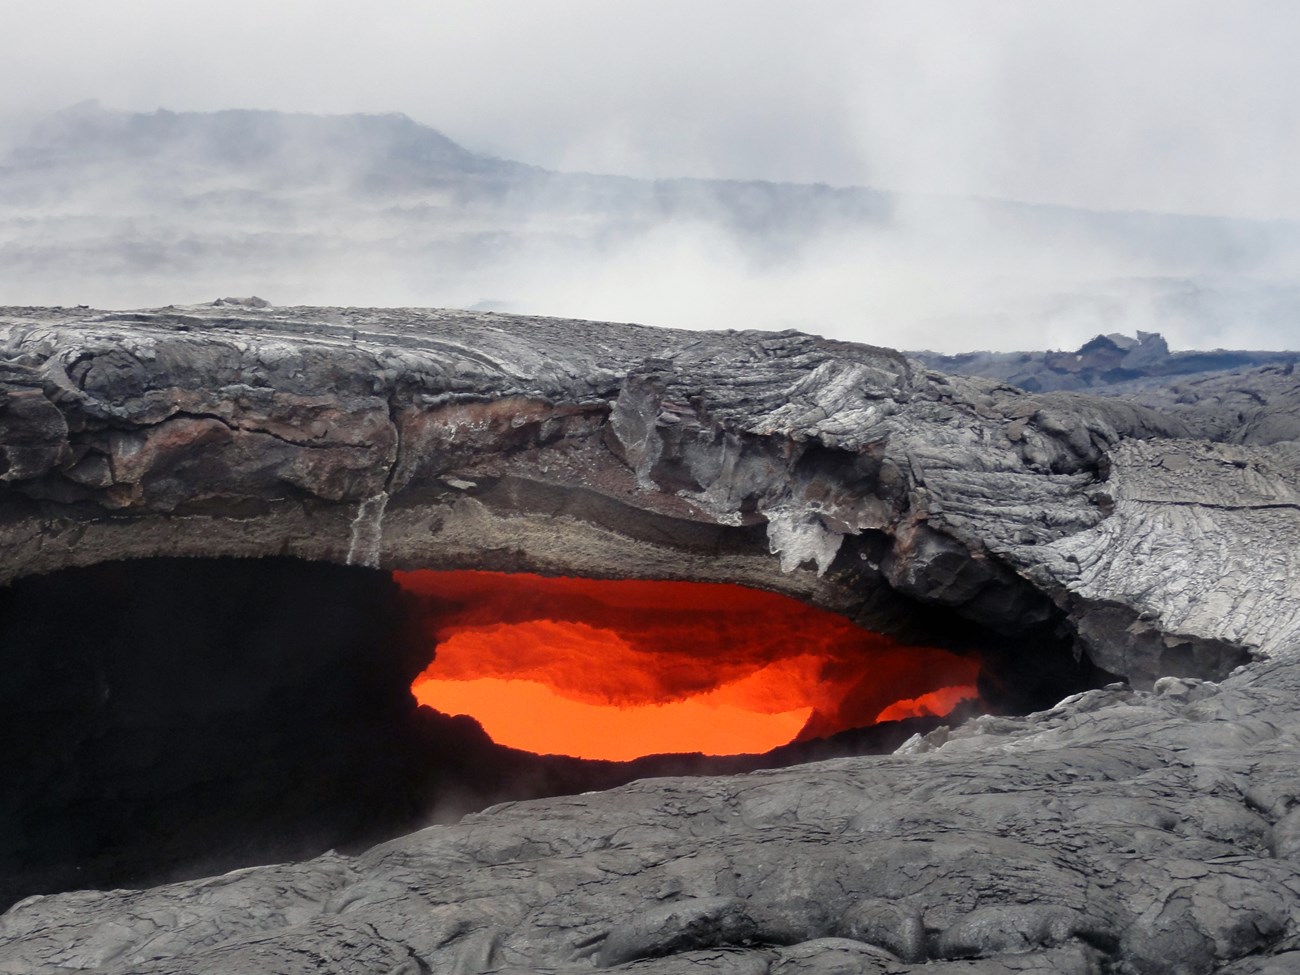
[
  {"x": 1154, "y": 833},
  {"x": 845, "y": 475}
]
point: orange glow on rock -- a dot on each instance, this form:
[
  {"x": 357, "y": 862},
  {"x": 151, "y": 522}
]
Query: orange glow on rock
[
  {"x": 530, "y": 715},
  {"x": 935, "y": 704},
  {"x": 619, "y": 669}
]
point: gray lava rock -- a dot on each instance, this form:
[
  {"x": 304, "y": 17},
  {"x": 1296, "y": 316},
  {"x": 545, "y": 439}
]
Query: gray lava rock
[
  {"x": 1123, "y": 830},
  {"x": 845, "y": 475},
  {"x": 1118, "y": 836}
]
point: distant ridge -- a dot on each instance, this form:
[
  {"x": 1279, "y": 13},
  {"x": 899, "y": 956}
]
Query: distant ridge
[
  {"x": 1106, "y": 360},
  {"x": 120, "y": 209},
  {"x": 247, "y": 138}
]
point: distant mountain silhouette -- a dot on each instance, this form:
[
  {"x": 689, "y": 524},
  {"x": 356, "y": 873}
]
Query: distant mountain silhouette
[
  {"x": 1103, "y": 361},
  {"x": 111, "y": 207},
  {"x": 246, "y": 139}
]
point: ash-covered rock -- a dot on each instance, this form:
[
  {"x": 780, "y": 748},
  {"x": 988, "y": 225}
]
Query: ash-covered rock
[
  {"x": 842, "y": 474},
  {"x": 1120, "y": 831},
  {"x": 1103, "y": 363},
  {"x": 1125, "y": 831}
]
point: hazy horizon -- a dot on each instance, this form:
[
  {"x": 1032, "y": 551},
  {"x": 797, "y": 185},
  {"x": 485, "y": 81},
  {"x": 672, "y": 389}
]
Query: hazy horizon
[
  {"x": 1176, "y": 107},
  {"x": 14, "y": 127}
]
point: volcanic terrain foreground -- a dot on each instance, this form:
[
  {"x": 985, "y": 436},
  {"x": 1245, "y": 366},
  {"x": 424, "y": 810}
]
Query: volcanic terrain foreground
[
  {"x": 1147, "y": 827},
  {"x": 1121, "y": 831}
]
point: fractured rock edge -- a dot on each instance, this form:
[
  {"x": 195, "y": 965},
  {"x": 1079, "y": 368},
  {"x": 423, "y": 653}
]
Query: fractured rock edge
[
  {"x": 1151, "y": 831},
  {"x": 1141, "y": 832},
  {"x": 845, "y": 475}
]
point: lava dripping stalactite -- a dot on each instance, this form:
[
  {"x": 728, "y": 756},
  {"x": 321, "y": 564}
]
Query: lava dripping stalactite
[{"x": 619, "y": 669}]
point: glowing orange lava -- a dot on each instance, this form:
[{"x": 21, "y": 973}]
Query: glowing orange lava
[
  {"x": 619, "y": 669},
  {"x": 530, "y": 715}
]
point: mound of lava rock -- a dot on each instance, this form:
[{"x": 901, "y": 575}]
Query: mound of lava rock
[{"x": 188, "y": 666}]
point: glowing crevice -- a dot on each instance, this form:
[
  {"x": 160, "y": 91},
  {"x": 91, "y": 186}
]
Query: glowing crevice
[
  {"x": 619, "y": 669},
  {"x": 530, "y": 715}
]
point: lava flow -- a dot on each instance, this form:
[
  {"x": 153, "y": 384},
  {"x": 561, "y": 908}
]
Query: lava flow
[{"x": 619, "y": 669}]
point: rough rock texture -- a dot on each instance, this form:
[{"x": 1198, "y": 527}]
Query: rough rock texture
[
  {"x": 842, "y": 474},
  {"x": 165, "y": 719},
  {"x": 1121, "y": 831},
  {"x": 1104, "y": 362},
  {"x": 1257, "y": 406},
  {"x": 1126, "y": 831}
]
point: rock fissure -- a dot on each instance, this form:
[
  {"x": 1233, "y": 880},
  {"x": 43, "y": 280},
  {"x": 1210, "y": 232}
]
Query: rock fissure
[
  {"x": 914, "y": 503},
  {"x": 1258, "y": 506}
]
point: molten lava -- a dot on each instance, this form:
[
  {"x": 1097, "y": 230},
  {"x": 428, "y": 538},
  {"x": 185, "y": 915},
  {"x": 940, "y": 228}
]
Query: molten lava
[{"x": 620, "y": 669}]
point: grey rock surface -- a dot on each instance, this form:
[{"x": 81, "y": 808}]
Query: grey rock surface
[
  {"x": 1106, "y": 364},
  {"x": 1122, "y": 831},
  {"x": 1258, "y": 406},
  {"x": 1146, "y": 830},
  {"x": 842, "y": 474}
]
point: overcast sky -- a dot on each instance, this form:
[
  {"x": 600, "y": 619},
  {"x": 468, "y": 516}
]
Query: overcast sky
[{"x": 1178, "y": 105}]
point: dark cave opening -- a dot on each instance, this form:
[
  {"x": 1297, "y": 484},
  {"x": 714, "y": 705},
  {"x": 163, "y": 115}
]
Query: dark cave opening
[{"x": 169, "y": 718}]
